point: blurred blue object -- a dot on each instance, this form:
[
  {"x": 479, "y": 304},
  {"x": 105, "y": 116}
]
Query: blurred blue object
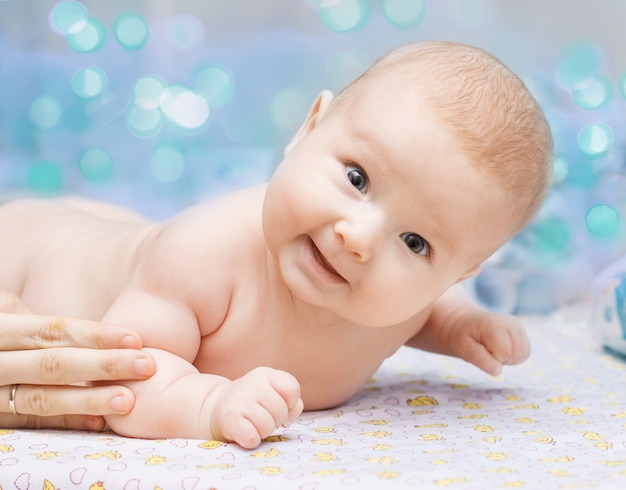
[{"x": 609, "y": 306}]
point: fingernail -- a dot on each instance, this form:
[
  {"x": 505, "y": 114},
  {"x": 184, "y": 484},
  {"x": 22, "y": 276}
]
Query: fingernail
[
  {"x": 142, "y": 367},
  {"x": 130, "y": 342},
  {"x": 119, "y": 403}
]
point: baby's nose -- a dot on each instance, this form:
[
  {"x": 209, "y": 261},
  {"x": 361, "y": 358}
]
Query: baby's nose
[{"x": 359, "y": 235}]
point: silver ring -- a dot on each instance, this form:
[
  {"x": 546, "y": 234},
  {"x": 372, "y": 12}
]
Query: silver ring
[{"x": 12, "y": 400}]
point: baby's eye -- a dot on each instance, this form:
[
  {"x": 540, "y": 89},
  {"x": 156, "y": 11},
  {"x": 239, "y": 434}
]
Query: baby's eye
[
  {"x": 357, "y": 178},
  {"x": 416, "y": 243}
]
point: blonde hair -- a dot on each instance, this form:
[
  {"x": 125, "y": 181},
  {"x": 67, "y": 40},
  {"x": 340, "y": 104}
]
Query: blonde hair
[{"x": 500, "y": 125}]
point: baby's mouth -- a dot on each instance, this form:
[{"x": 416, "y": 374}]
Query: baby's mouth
[{"x": 323, "y": 262}]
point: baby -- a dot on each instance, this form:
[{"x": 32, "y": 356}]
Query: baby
[{"x": 290, "y": 295}]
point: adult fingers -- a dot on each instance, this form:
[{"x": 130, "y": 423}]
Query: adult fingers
[
  {"x": 22, "y": 331},
  {"x": 74, "y": 422},
  {"x": 70, "y": 365},
  {"x": 48, "y": 401}
]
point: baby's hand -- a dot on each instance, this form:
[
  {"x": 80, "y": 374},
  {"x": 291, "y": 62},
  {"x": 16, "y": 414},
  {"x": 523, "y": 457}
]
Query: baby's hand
[
  {"x": 491, "y": 340},
  {"x": 250, "y": 408}
]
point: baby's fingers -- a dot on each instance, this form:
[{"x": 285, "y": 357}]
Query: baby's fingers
[
  {"x": 242, "y": 431},
  {"x": 484, "y": 360},
  {"x": 521, "y": 346},
  {"x": 258, "y": 421},
  {"x": 294, "y": 413},
  {"x": 247, "y": 422},
  {"x": 477, "y": 353},
  {"x": 288, "y": 388},
  {"x": 507, "y": 341}
]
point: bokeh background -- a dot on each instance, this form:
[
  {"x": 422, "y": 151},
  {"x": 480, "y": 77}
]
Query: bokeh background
[{"x": 158, "y": 104}]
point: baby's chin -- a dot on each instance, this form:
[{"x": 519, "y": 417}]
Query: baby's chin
[{"x": 377, "y": 317}]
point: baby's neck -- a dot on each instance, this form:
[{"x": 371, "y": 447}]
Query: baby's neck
[{"x": 305, "y": 312}]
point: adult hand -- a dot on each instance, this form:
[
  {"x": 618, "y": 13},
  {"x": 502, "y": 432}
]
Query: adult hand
[{"x": 40, "y": 356}]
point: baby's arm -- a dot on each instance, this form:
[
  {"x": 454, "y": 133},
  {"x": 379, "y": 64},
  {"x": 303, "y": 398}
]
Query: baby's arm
[
  {"x": 179, "y": 401},
  {"x": 458, "y": 327}
]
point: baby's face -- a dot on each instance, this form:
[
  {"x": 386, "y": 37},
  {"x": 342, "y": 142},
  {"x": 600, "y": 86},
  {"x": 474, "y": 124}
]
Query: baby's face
[{"x": 375, "y": 212}]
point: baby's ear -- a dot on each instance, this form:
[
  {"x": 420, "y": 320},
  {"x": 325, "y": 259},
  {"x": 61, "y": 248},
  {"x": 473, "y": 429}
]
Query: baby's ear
[
  {"x": 471, "y": 273},
  {"x": 315, "y": 114}
]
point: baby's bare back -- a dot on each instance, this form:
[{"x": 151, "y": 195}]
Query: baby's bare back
[{"x": 68, "y": 256}]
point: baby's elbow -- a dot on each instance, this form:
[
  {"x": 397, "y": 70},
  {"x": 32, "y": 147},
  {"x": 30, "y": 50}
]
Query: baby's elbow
[
  {"x": 136, "y": 418},
  {"x": 136, "y": 425},
  {"x": 126, "y": 425}
]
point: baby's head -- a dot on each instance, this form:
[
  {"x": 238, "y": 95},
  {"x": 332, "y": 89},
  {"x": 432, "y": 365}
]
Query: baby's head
[
  {"x": 486, "y": 107},
  {"x": 406, "y": 181}
]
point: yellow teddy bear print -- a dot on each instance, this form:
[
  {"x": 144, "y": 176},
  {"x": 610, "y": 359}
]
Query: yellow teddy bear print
[
  {"x": 325, "y": 457},
  {"x": 46, "y": 455},
  {"x": 388, "y": 475},
  {"x": 325, "y": 430},
  {"x": 156, "y": 459},
  {"x": 104, "y": 454},
  {"x": 492, "y": 439},
  {"x": 497, "y": 456},
  {"x": 382, "y": 460},
  {"x": 377, "y": 433},
  {"x": 5, "y": 448},
  {"x": 329, "y": 442},
  {"x": 270, "y": 453},
  {"x": 276, "y": 438},
  {"x": 211, "y": 444},
  {"x": 431, "y": 437},
  {"x": 421, "y": 401},
  {"x": 450, "y": 481}
]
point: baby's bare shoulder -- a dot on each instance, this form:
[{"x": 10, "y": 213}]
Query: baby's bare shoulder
[
  {"x": 216, "y": 226},
  {"x": 203, "y": 253}
]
